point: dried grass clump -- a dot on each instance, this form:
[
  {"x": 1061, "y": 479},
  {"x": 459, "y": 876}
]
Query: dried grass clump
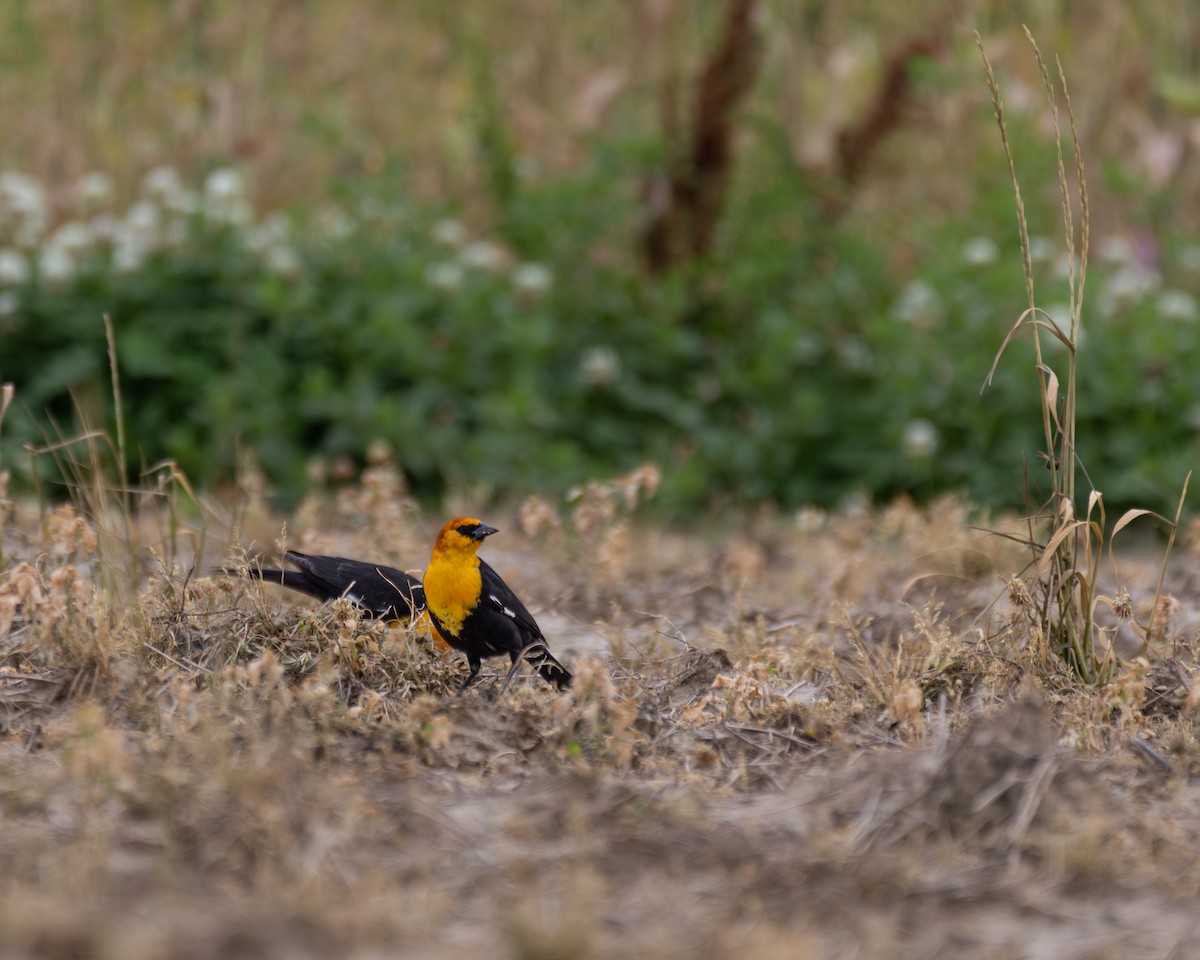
[
  {"x": 755, "y": 695},
  {"x": 477, "y": 735},
  {"x": 57, "y": 632},
  {"x": 598, "y": 723},
  {"x": 199, "y": 628},
  {"x": 990, "y": 784},
  {"x": 1065, "y": 538},
  {"x": 502, "y": 731},
  {"x": 46, "y": 609},
  {"x": 594, "y": 528}
]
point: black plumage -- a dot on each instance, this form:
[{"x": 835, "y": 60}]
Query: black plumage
[
  {"x": 476, "y": 612},
  {"x": 384, "y": 592}
]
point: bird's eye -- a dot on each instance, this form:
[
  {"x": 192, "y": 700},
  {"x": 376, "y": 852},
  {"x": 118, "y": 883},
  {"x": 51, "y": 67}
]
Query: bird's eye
[{"x": 466, "y": 529}]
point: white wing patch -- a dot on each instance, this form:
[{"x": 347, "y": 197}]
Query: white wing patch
[{"x": 507, "y": 611}]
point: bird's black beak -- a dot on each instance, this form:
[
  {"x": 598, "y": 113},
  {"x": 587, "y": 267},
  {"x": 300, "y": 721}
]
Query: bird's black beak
[{"x": 483, "y": 530}]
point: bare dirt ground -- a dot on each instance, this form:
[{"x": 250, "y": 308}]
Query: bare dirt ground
[{"x": 790, "y": 736}]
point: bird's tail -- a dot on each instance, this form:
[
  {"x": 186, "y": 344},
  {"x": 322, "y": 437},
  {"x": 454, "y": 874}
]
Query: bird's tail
[
  {"x": 288, "y": 578},
  {"x": 547, "y": 667}
]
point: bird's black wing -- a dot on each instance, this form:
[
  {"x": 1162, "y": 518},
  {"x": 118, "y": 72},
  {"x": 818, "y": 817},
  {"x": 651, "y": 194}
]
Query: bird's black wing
[
  {"x": 382, "y": 591},
  {"x": 385, "y": 591},
  {"x": 496, "y": 593},
  {"x": 501, "y": 599}
]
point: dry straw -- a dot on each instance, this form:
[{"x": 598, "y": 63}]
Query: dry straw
[{"x": 1066, "y": 562}]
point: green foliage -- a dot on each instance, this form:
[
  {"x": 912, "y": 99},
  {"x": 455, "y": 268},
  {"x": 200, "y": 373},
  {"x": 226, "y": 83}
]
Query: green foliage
[{"x": 795, "y": 366}]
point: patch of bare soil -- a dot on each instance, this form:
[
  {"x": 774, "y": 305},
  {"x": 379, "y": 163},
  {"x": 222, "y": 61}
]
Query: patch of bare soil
[{"x": 794, "y": 739}]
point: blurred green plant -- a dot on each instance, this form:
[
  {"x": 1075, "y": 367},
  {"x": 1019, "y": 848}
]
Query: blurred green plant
[{"x": 793, "y": 364}]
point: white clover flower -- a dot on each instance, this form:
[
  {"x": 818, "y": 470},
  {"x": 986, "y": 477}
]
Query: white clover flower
[
  {"x": 1178, "y": 305},
  {"x": 185, "y": 203},
  {"x": 482, "y": 255},
  {"x": 277, "y": 226},
  {"x": 274, "y": 229},
  {"x": 224, "y": 199},
  {"x": 919, "y": 305},
  {"x": 333, "y": 223},
  {"x": 281, "y": 260},
  {"x": 162, "y": 183},
  {"x": 233, "y": 213},
  {"x": 1060, "y": 313},
  {"x": 223, "y": 185},
  {"x": 532, "y": 278},
  {"x": 56, "y": 264},
  {"x": 23, "y": 206},
  {"x": 980, "y": 251},
  {"x": 9, "y": 302},
  {"x": 599, "y": 366},
  {"x": 22, "y": 194},
  {"x": 1116, "y": 250},
  {"x": 920, "y": 439},
  {"x": 1042, "y": 249},
  {"x": 105, "y": 227},
  {"x": 14, "y": 268},
  {"x": 445, "y": 276},
  {"x": 143, "y": 219},
  {"x": 129, "y": 252},
  {"x": 452, "y": 233},
  {"x": 1128, "y": 285},
  {"x": 93, "y": 189},
  {"x": 73, "y": 236}
]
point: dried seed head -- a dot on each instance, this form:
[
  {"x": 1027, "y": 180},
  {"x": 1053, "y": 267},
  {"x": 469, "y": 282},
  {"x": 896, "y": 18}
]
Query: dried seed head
[
  {"x": 536, "y": 515},
  {"x": 1164, "y": 611},
  {"x": 907, "y": 701},
  {"x": 1123, "y": 606},
  {"x": 1018, "y": 593},
  {"x": 379, "y": 452}
]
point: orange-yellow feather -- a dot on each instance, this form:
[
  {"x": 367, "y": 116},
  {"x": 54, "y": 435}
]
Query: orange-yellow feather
[{"x": 453, "y": 584}]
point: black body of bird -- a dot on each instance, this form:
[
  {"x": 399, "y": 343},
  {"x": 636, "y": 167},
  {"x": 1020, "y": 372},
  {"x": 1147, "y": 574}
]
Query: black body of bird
[{"x": 476, "y": 612}]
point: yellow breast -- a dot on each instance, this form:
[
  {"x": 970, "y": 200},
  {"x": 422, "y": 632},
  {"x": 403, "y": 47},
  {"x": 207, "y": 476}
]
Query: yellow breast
[{"x": 452, "y": 591}]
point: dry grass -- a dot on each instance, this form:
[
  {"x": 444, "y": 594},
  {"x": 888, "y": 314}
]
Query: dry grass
[
  {"x": 1061, "y": 595},
  {"x": 806, "y": 736}
]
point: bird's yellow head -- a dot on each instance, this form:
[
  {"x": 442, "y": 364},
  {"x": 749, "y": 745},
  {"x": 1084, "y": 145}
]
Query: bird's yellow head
[{"x": 462, "y": 535}]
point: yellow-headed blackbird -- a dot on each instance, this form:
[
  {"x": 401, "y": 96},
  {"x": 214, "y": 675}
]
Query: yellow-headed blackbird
[
  {"x": 476, "y": 612},
  {"x": 385, "y": 593}
]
